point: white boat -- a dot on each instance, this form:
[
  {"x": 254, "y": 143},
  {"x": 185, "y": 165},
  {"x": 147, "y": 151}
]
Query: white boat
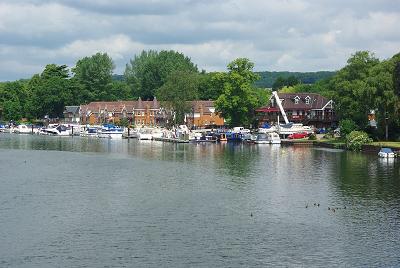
[
  {"x": 156, "y": 133},
  {"x": 23, "y": 129},
  {"x": 110, "y": 131},
  {"x": 262, "y": 138},
  {"x": 386, "y": 153},
  {"x": 274, "y": 138},
  {"x": 291, "y": 128},
  {"x": 145, "y": 134},
  {"x": 268, "y": 138},
  {"x": 89, "y": 131},
  {"x": 267, "y": 130},
  {"x": 56, "y": 130}
]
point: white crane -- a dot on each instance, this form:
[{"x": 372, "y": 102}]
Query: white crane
[{"x": 278, "y": 101}]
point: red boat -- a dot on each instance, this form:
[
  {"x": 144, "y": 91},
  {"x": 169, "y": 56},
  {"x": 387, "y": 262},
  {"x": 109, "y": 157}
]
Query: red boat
[{"x": 300, "y": 135}]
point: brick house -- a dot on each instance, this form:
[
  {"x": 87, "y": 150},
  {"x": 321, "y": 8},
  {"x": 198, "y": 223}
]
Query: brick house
[
  {"x": 146, "y": 113},
  {"x": 308, "y": 108}
]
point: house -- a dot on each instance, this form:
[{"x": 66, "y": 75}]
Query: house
[
  {"x": 146, "y": 113},
  {"x": 71, "y": 114},
  {"x": 307, "y": 108},
  {"x": 203, "y": 115}
]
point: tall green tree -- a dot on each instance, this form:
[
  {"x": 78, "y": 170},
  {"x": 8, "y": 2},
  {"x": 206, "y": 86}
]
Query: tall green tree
[
  {"x": 12, "y": 98},
  {"x": 239, "y": 98},
  {"x": 180, "y": 88},
  {"x": 353, "y": 96},
  {"x": 396, "y": 73},
  {"x": 209, "y": 88},
  {"x": 147, "y": 72},
  {"x": 94, "y": 74},
  {"x": 49, "y": 92}
]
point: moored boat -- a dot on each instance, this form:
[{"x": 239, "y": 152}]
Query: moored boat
[
  {"x": 386, "y": 153},
  {"x": 110, "y": 131},
  {"x": 55, "y": 130}
]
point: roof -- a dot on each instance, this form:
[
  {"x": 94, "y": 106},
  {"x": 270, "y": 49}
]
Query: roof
[
  {"x": 205, "y": 107},
  {"x": 71, "y": 109},
  {"x": 199, "y": 106},
  {"x": 288, "y": 101}
]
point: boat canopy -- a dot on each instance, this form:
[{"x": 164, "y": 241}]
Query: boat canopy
[{"x": 386, "y": 150}]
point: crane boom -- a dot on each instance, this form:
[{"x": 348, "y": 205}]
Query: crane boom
[{"x": 278, "y": 101}]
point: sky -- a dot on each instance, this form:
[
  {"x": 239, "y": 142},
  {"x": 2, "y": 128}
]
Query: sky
[{"x": 276, "y": 35}]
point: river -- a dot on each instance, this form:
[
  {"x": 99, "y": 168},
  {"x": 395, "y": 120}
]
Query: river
[{"x": 81, "y": 202}]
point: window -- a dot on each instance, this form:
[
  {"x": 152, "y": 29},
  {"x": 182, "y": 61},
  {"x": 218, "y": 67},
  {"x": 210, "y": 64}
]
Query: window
[
  {"x": 308, "y": 100},
  {"x": 296, "y": 100}
]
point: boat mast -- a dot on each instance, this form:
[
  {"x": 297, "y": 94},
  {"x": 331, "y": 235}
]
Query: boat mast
[{"x": 278, "y": 101}]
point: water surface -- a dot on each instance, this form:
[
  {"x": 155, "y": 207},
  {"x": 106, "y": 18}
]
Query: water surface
[{"x": 82, "y": 202}]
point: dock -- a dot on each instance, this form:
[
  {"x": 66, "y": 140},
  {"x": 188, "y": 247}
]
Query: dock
[{"x": 174, "y": 140}]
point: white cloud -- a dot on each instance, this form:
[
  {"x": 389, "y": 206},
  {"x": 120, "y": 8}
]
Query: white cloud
[{"x": 296, "y": 35}]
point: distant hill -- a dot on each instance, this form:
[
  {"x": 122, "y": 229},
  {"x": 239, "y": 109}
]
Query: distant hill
[
  {"x": 118, "y": 77},
  {"x": 268, "y": 78}
]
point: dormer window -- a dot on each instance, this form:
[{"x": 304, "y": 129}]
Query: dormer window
[
  {"x": 296, "y": 100},
  {"x": 308, "y": 100}
]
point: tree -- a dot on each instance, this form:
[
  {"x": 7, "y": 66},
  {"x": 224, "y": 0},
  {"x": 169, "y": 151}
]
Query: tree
[
  {"x": 95, "y": 75},
  {"x": 238, "y": 99},
  {"x": 396, "y": 74},
  {"x": 147, "y": 72},
  {"x": 279, "y": 83},
  {"x": 175, "y": 94},
  {"x": 49, "y": 92},
  {"x": 12, "y": 98},
  {"x": 346, "y": 127},
  {"x": 208, "y": 87},
  {"x": 353, "y": 97}
]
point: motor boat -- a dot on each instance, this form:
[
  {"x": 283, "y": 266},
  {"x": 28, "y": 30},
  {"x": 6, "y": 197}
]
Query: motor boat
[
  {"x": 386, "y": 153},
  {"x": 23, "y": 129},
  {"x": 145, "y": 134},
  {"x": 262, "y": 138},
  {"x": 268, "y": 138},
  {"x": 266, "y": 128},
  {"x": 110, "y": 131},
  {"x": 274, "y": 138},
  {"x": 56, "y": 130},
  {"x": 291, "y": 128},
  {"x": 89, "y": 131}
]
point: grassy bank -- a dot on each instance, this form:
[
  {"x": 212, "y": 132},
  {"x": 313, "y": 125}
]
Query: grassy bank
[{"x": 391, "y": 144}]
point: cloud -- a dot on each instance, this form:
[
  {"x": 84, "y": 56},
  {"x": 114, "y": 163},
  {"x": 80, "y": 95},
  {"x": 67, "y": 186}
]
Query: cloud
[{"x": 296, "y": 35}]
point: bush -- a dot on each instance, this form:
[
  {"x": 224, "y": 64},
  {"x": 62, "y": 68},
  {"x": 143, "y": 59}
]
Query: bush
[
  {"x": 346, "y": 126},
  {"x": 312, "y": 137},
  {"x": 356, "y": 139}
]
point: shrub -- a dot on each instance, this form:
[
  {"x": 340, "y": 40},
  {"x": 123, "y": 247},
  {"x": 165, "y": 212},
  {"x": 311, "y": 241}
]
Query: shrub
[
  {"x": 346, "y": 127},
  {"x": 356, "y": 139},
  {"x": 312, "y": 137}
]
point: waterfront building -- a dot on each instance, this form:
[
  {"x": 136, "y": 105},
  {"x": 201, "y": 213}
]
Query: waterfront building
[
  {"x": 147, "y": 113},
  {"x": 307, "y": 108},
  {"x": 71, "y": 114}
]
